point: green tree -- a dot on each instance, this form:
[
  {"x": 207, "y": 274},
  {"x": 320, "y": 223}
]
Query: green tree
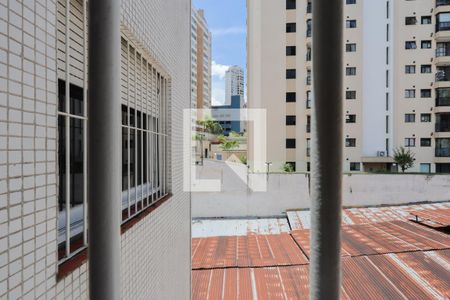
[
  {"x": 226, "y": 144},
  {"x": 404, "y": 158},
  {"x": 288, "y": 168},
  {"x": 211, "y": 126}
]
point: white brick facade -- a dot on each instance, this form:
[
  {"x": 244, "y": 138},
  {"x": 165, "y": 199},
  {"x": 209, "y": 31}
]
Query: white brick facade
[{"x": 156, "y": 250}]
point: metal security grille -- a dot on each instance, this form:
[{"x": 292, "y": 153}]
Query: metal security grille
[
  {"x": 144, "y": 132},
  {"x": 145, "y": 90},
  {"x": 72, "y": 127}
]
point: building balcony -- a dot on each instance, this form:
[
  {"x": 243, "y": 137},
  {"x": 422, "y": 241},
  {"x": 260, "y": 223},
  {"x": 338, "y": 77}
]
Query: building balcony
[
  {"x": 442, "y": 74},
  {"x": 442, "y": 2},
  {"x": 442, "y": 152},
  {"x": 443, "y": 101},
  {"x": 308, "y": 128},
  {"x": 443, "y": 126}
]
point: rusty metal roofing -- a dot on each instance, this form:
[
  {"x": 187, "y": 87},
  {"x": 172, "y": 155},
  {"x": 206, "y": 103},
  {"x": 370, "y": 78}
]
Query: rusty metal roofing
[
  {"x": 300, "y": 219},
  {"x": 233, "y": 227},
  {"x": 440, "y": 217},
  {"x": 246, "y": 251},
  {"x": 384, "y": 237},
  {"x": 414, "y": 275},
  {"x": 385, "y": 256}
]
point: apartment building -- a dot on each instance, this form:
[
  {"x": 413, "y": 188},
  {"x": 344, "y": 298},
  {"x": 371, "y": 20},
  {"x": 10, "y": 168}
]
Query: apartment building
[
  {"x": 234, "y": 84},
  {"x": 396, "y": 83},
  {"x": 43, "y": 142},
  {"x": 201, "y": 44}
]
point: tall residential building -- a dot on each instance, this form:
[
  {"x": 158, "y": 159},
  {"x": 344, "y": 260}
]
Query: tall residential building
[
  {"x": 43, "y": 142},
  {"x": 234, "y": 84},
  {"x": 201, "y": 40},
  {"x": 396, "y": 81}
]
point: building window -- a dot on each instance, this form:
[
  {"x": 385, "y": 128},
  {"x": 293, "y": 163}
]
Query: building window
[
  {"x": 291, "y": 97},
  {"x": 350, "y": 23},
  {"x": 425, "y": 93},
  {"x": 290, "y": 74},
  {"x": 290, "y": 143},
  {"x": 308, "y": 28},
  {"x": 410, "y": 20},
  {"x": 350, "y": 142},
  {"x": 425, "y": 168},
  {"x": 425, "y": 142},
  {"x": 425, "y": 20},
  {"x": 350, "y": 119},
  {"x": 410, "y": 69},
  {"x": 425, "y": 69},
  {"x": 309, "y": 7},
  {"x": 290, "y": 120},
  {"x": 72, "y": 174},
  {"x": 443, "y": 21},
  {"x": 425, "y": 44},
  {"x": 291, "y": 27},
  {"x": 410, "y": 118},
  {"x": 443, "y": 97},
  {"x": 308, "y": 54},
  {"x": 425, "y": 118},
  {"x": 410, "y": 142},
  {"x": 350, "y": 47},
  {"x": 355, "y": 166},
  {"x": 350, "y": 1},
  {"x": 410, "y": 45},
  {"x": 308, "y": 99},
  {"x": 308, "y": 150},
  {"x": 350, "y": 71},
  {"x": 350, "y": 95},
  {"x": 410, "y": 93},
  {"x": 290, "y": 50},
  {"x": 308, "y": 77},
  {"x": 290, "y": 4}
]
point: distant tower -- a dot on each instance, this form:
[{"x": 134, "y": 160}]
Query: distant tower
[{"x": 234, "y": 84}]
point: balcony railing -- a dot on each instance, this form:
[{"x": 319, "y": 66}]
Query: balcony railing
[
  {"x": 442, "y": 75},
  {"x": 308, "y": 80},
  {"x": 308, "y": 32},
  {"x": 308, "y": 152},
  {"x": 442, "y": 26},
  {"x": 443, "y": 51},
  {"x": 308, "y": 128},
  {"x": 443, "y": 101},
  {"x": 442, "y": 2},
  {"x": 442, "y": 152},
  {"x": 443, "y": 126}
]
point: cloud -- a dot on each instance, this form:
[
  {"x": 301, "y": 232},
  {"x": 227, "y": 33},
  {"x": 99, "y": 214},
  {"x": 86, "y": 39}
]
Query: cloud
[
  {"x": 228, "y": 31},
  {"x": 218, "y": 70}
]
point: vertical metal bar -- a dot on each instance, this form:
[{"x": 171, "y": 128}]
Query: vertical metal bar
[
  {"x": 150, "y": 127},
  {"x": 153, "y": 132},
  {"x": 104, "y": 149},
  {"x": 135, "y": 135},
  {"x": 327, "y": 143},
  {"x": 128, "y": 131},
  {"x": 163, "y": 137},
  {"x": 85, "y": 121},
  {"x": 147, "y": 132},
  {"x": 142, "y": 132},
  {"x": 67, "y": 129},
  {"x": 159, "y": 136}
]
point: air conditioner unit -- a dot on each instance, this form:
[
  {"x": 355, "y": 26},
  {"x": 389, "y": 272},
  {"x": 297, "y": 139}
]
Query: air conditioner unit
[{"x": 381, "y": 153}]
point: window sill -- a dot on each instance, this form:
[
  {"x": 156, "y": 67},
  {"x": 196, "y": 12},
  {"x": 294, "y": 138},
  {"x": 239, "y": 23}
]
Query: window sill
[{"x": 67, "y": 267}]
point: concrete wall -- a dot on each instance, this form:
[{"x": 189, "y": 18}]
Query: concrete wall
[{"x": 291, "y": 191}]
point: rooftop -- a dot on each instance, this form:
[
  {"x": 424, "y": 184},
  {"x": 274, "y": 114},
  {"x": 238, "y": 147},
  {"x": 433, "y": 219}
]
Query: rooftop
[{"x": 392, "y": 252}]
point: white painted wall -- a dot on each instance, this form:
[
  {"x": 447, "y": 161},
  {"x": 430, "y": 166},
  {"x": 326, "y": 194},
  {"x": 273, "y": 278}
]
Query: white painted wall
[
  {"x": 374, "y": 77},
  {"x": 290, "y": 191}
]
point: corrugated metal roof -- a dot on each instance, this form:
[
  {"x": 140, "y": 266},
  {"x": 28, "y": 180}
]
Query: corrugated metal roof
[
  {"x": 246, "y": 251},
  {"x": 438, "y": 217},
  {"x": 234, "y": 227},
  {"x": 300, "y": 219},
  {"x": 394, "y": 259},
  {"x": 415, "y": 275},
  {"x": 384, "y": 237}
]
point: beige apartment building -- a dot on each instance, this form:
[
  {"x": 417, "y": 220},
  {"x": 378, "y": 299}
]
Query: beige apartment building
[
  {"x": 396, "y": 82},
  {"x": 200, "y": 60}
]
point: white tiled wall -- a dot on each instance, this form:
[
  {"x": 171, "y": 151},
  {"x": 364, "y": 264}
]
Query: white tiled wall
[{"x": 156, "y": 251}]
